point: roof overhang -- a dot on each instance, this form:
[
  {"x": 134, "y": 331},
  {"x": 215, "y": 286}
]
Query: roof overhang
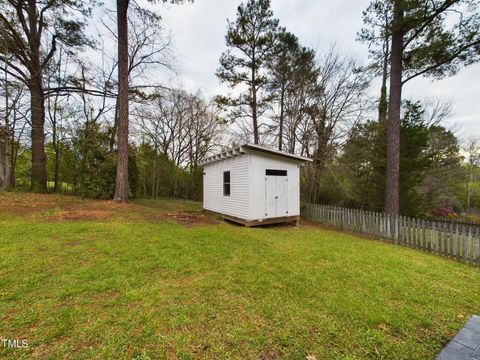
[{"x": 248, "y": 148}]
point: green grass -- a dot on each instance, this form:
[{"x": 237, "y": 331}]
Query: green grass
[{"x": 130, "y": 286}]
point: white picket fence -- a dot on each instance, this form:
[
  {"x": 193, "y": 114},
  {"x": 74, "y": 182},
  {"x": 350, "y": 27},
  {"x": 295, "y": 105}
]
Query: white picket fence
[{"x": 458, "y": 241}]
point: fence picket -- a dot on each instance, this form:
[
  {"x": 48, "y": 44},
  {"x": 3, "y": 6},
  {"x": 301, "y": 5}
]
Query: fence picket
[
  {"x": 401, "y": 228},
  {"x": 451, "y": 245},
  {"x": 396, "y": 228},
  {"x": 424, "y": 236},
  {"x": 412, "y": 228},
  {"x": 470, "y": 245},
  {"x": 457, "y": 243},
  {"x": 407, "y": 229},
  {"x": 477, "y": 247},
  {"x": 415, "y": 233},
  {"x": 438, "y": 229},
  {"x": 418, "y": 233},
  {"x": 428, "y": 230},
  {"x": 445, "y": 239}
]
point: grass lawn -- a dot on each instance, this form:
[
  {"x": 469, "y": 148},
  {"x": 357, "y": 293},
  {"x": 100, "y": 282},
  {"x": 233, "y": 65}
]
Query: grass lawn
[{"x": 90, "y": 279}]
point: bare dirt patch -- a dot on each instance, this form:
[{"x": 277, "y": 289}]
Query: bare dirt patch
[
  {"x": 72, "y": 243},
  {"x": 20, "y": 204},
  {"x": 73, "y": 215},
  {"x": 183, "y": 218},
  {"x": 51, "y": 207}
]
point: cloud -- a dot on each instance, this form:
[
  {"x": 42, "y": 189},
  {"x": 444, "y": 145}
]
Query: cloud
[{"x": 199, "y": 29}]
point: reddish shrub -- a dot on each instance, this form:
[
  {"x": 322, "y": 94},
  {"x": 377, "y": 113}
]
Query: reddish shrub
[{"x": 443, "y": 211}]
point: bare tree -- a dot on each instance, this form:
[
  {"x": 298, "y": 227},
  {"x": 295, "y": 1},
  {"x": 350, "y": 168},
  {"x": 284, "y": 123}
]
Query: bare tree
[
  {"x": 182, "y": 127},
  {"x": 16, "y": 112},
  {"x": 5, "y": 145},
  {"x": 472, "y": 149},
  {"x": 337, "y": 103},
  {"x": 31, "y": 31}
]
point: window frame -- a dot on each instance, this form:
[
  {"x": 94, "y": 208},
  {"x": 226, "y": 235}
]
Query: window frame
[
  {"x": 227, "y": 184},
  {"x": 276, "y": 172}
]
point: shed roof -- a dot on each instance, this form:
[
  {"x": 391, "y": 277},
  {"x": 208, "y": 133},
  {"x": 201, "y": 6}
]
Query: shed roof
[{"x": 246, "y": 148}]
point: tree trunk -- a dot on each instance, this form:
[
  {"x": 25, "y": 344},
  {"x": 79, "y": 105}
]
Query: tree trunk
[
  {"x": 56, "y": 188},
  {"x": 5, "y": 146},
  {"x": 13, "y": 160},
  {"x": 469, "y": 189},
  {"x": 280, "y": 126},
  {"x": 319, "y": 158},
  {"x": 5, "y": 159},
  {"x": 113, "y": 134},
  {"x": 121, "y": 184},
  {"x": 383, "y": 104},
  {"x": 154, "y": 174},
  {"x": 39, "y": 159},
  {"x": 392, "y": 193},
  {"x": 254, "y": 105}
]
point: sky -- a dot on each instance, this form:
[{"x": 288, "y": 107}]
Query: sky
[{"x": 198, "y": 32}]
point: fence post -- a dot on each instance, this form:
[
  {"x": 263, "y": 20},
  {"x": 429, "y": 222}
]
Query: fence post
[
  {"x": 470, "y": 245},
  {"x": 451, "y": 240},
  {"x": 407, "y": 230},
  {"x": 446, "y": 238},
  {"x": 414, "y": 232},
  {"x": 420, "y": 235},
  {"x": 457, "y": 242},
  {"x": 477, "y": 247},
  {"x": 379, "y": 224},
  {"x": 398, "y": 229}
]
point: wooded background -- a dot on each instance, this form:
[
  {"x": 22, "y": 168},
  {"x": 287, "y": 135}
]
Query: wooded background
[{"x": 84, "y": 114}]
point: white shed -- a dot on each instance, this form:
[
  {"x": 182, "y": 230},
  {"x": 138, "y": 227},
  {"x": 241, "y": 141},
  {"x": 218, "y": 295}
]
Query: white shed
[{"x": 253, "y": 185}]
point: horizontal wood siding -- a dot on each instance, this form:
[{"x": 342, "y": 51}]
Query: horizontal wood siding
[
  {"x": 458, "y": 241},
  {"x": 237, "y": 203}
]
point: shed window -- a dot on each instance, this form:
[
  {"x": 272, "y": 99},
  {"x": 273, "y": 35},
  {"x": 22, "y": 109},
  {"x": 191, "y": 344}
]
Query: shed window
[
  {"x": 272, "y": 172},
  {"x": 226, "y": 183}
]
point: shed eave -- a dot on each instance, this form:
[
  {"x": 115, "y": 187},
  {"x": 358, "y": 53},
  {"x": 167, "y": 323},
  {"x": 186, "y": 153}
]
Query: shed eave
[{"x": 240, "y": 150}]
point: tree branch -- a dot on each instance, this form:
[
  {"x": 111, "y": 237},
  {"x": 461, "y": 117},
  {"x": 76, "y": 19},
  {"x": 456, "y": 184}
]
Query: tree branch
[{"x": 446, "y": 61}]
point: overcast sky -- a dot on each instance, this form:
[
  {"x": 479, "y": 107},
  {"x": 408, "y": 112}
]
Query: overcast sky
[{"x": 199, "y": 29}]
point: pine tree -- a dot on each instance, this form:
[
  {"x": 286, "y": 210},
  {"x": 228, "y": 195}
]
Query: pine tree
[
  {"x": 428, "y": 38},
  {"x": 250, "y": 40}
]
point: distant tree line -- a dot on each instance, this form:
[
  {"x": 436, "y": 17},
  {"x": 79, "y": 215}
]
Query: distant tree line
[{"x": 86, "y": 115}]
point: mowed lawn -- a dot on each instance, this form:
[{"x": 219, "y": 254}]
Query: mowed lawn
[{"x": 157, "y": 279}]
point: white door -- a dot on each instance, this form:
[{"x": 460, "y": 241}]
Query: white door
[
  {"x": 282, "y": 196},
  {"x": 270, "y": 194},
  {"x": 276, "y": 193}
]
